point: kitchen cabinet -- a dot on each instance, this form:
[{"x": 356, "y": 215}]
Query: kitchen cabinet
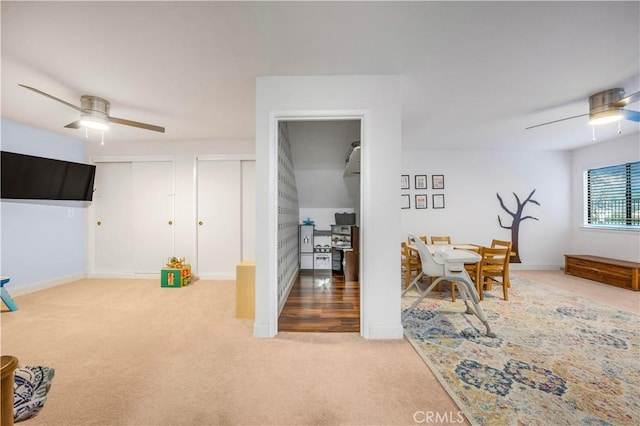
[{"x": 343, "y": 237}]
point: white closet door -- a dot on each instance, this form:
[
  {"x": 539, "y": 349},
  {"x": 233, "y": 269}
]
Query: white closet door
[
  {"x": 219, "y": 217},
  {"x": 248, "y": 211},
  {"x": 113, "y": 225},
  {"x": 152, "y": 213}
]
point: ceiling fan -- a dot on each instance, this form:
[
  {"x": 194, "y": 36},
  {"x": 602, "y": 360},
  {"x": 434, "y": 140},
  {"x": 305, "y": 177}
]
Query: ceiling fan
[
  {"x": 94, "y": 113},
  {"x": 606, "y": 107}
]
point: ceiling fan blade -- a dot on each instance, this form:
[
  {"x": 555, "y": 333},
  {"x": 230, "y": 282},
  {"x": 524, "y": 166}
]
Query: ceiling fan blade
[
  {"x": 40, "y": 92},
  {"x": 631, "y": 115},
  {"x": 625, "y": 101},
  {"x": 136, "y": 124},
  {"x": 74, "y": 125},
  {"x": 555, "y": 121}
]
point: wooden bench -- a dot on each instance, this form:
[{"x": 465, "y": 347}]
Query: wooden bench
[{"x": 619, "y": 273}]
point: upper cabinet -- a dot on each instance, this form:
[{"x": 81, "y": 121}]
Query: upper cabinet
[{"x": 353, "y": 163}]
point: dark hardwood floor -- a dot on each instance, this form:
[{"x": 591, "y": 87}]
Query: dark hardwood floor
[{"x": 321, "y": 302}]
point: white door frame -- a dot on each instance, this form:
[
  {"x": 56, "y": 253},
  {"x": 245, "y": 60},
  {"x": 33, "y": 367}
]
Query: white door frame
[{"x": 304, "y": 115}]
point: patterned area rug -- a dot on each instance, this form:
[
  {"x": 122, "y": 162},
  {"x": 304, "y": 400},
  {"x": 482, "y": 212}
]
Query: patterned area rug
[{"x": 558, "y": 359}]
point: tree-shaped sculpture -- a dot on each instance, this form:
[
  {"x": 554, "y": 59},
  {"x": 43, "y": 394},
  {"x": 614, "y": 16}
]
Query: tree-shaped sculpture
[{"x": 515, "y": 224}]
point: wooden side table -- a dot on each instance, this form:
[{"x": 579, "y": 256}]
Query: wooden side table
[
  {"x": 9, "y": 364},
  {"x": 245, "y": 290}
]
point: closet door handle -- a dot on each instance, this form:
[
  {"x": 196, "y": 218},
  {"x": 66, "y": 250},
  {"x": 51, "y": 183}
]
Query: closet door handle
[
  {"x": 98, "y": 223},
  {"x": 201, "y": 223},
  {"x": 170, "y": 222}
]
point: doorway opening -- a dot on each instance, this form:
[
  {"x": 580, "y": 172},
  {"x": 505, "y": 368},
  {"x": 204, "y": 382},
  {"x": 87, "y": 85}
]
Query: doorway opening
[{"x": 319, "y": 205}]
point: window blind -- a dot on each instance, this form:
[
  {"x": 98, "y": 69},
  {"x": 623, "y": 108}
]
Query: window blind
[{"x": 613, "y": 195}]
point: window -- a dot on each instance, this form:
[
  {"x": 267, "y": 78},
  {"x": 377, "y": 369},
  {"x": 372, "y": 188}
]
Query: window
[{"x": 613, "y": 196}]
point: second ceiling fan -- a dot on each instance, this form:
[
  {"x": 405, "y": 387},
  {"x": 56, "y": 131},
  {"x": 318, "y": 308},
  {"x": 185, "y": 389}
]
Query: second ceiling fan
[{"x": 605, "y": 107}]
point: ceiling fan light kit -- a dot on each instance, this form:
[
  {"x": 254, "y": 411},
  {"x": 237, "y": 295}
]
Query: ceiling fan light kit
[
  {"x": 606, "y": 107},
  {"x": 603, "y": 108},
  {"x": 94, "y": 114}
]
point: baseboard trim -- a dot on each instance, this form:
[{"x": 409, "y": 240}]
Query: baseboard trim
[
  {"x": 283, "y": 301},
  {"x": 127, "y": 276},
  {"x": 20, "y": 290},
  {"x": 261, "y": 330},
  {"x": 385, "y": 332},
  {"x": 529, "y": 267},
  {"x": 217, "y": 277}
]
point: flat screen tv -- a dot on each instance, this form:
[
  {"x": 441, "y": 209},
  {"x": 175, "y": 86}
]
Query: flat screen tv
[{"x": 27, "y": 177}]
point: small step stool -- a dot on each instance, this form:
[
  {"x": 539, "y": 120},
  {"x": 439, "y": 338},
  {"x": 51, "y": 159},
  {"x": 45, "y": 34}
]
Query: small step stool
[{"x": 4, "y": 294}]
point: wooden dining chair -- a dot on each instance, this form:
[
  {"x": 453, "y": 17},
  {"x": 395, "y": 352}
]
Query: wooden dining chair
[
  {"x": 441, "y": 240},
  {"x": 411, "y": 265},
  {"x": 422, "y": 237},
  {"x": 507, "y": 244},
  {"x": 492, "y": 269},
  {"x": 414, "y": 261}
]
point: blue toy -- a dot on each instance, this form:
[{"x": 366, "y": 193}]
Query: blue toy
[{"x": 4, "y": 294}]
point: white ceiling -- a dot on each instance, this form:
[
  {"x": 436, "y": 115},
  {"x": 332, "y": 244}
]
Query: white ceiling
[{"x": 475, "y": 73}]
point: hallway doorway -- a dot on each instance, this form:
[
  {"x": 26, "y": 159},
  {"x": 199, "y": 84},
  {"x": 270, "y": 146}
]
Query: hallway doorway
[{"x": 318, "y": 158}]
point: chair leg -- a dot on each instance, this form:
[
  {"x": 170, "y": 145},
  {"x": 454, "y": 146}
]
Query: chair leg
[
  {"x": 437, "y": 287},
  {"x": 422, "y": 296},
  {"x": 505, "y": 277},
  {"x": 479, "y": 285},
  {"x": 466, "y": 290}
]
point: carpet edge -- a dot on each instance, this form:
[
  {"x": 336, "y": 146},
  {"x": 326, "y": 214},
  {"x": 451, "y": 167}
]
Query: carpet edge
[{"x": 451, "y": 394}]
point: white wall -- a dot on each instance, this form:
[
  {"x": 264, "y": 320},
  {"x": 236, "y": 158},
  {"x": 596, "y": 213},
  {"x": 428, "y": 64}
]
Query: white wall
[
  {"x": 618, "y": 244},
  {"x": 377, "y": 100},
  {"x": 184, "y": 154},
  {"x": 320, "y": 150},
  {"x": 43, "y": 242},
  {"x": 472, "y": 180}
]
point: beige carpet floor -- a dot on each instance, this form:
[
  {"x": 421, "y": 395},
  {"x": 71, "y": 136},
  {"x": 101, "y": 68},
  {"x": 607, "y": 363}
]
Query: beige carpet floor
[{"x": 127, "y": 352}]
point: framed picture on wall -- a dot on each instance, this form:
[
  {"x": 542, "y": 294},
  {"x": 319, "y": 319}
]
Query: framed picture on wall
[
  {"x": 404, "y": 181},
  {"x": 421, "y": 201},
  {"x": 437, "y": 182},
  {"x": 405, "y": 201},
  {"x": 421, "y": 181},
  {"x": 437, "y": 201}
]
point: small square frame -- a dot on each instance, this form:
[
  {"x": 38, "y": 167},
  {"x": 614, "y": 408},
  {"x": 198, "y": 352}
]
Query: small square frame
[
  {"x": 437, "y": 181},
  {"x": 405, "y": 201},
  {"x": 404, "y": 182},
  {"x": 437, "y": 201},
  {"x": 421, "y": 181},
  {"x": 421, "y": 201}
]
